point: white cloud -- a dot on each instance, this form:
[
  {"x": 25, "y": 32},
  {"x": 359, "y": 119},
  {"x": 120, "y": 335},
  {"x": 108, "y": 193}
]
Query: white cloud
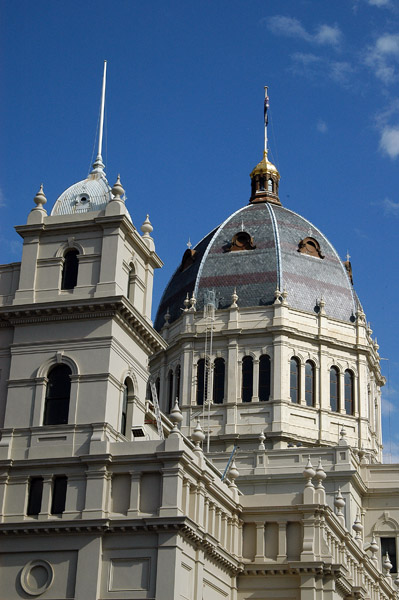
[
  {"x": 2, "y": 199},
  {"x": 383, "y": 57},
  {"x": 325, "y": 35},
  {"x": 389, "y": 141},
  {"x": 322, "y": 126},
  {"x": 388, "y": 44},
  {"x": 328, "y": 35},
  {"x": 288, "y": 26}
]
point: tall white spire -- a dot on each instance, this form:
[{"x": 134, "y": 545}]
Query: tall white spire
[{"x": 98, "y": 165}]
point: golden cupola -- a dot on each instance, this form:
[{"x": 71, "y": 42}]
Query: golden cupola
[{"x": 264, "y": 182}]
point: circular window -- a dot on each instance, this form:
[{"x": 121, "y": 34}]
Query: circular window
[{"x": 36, "y": 577}]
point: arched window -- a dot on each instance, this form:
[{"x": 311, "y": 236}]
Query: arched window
[
  {"x": 177, "y": 375},
  {"x": 131, "y": 283},
  {"x": 127, "y": 394},
  {"x": 170, "y": 391},
  {"x": 348, "y": 380},
  {"x": 309, "y": 383},
  {"x": 247, "y": 379},
  {"x": 334, "y": 389},
  {"x": 70, "y": 270},
  {"x": 57, "y": 395},
  {"x": 264, "y": 378},
  {"x": 200, "y": 381},
  {"x": 270, "y": 185},
  {"x": 294, "y": 380},
  {"x": 218, "y": 381}
]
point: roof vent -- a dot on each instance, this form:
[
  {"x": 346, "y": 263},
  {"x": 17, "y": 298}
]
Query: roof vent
[{"x": 138, "y": 432}]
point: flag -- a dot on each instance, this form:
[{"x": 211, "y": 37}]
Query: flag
[{"x": 266, "y": 106}]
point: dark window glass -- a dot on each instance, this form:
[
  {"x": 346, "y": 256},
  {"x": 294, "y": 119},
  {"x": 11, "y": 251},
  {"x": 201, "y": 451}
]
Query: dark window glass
[
  {"x": 218, "y": 381},
  {"x": 348, "y": 379},
  {"x": 177, "y": 375},
  {"x": 124, "y": 409},
  {"x": 57, "y": 396},
  {"x": 264, "y": 378},
  {"x": 334, "y": 389},
  {"x": 389, "y": 545},
  {"x": 35, "y": 496},
  {"x": 158, "y": 387},
  {"x": 309, "y": 384},
  {"x": 200, "y": 381},
  {"x": 170, "y": 391},
  {"x": 59, "y": 494},
  {"x": 70, "y": 270},
  {"x": 294, "y": 380},
  {"x": 131, "y": 283},
  {"x": 247, "y": 379}
]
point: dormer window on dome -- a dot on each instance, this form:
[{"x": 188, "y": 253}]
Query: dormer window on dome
[
  {"x": 311, "y": 247},
  {"x": 240, "y": 241}
]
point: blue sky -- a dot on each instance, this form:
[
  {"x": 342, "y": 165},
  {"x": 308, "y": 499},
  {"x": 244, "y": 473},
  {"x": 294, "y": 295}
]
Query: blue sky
[{"x": 184, "y": 123}]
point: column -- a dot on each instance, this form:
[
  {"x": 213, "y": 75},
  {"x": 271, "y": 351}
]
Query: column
[
  {"x": 260, "y": 542},
  {"x": 97, "y": 479},
  {"x": 172, "y": 486},
  {"x": 134, "y": 501},
  {"x": 45, "y": 510},
  {"x": 38, "y": 406},
  {"x": 282, "y": 542},
  {"x": 255, "y": 394}
]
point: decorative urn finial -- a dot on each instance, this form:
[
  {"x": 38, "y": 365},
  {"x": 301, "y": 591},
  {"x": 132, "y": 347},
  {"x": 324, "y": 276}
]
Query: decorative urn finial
[
  {"x": 117, "y": 191},
  {"x": 40, "y": 199}
]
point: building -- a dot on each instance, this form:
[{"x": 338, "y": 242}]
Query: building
[{"x": 262, "y": 341}]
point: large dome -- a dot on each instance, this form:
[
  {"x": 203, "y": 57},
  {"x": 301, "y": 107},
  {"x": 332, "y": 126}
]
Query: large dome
[{"x": 258, "y": 249}]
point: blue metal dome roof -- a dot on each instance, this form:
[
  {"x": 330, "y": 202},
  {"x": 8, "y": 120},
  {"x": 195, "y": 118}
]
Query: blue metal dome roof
[{"x": 274, "y": 261}]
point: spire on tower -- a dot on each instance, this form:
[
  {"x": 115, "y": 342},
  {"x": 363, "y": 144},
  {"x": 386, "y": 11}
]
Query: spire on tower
[
  {"x": 266, "y": 116},
  {"x": 98, "y": 166},
  {"x": 265, "y": 177}
]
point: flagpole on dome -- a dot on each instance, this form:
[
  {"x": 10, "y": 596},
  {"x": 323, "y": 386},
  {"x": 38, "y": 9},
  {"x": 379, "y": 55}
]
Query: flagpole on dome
[
  {"x": 98, "y": 164},
  {"x": 266, "y": 118}
]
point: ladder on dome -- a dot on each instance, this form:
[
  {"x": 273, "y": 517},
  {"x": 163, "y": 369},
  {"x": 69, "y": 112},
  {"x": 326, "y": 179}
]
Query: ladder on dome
[
  {"x": 157, "y": 410},
  {"x": 209, "y": 317}
]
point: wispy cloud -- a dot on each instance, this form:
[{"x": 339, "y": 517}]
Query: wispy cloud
[
  {"x": 383, "y": 57},
  {"x": 324, "y": 35},
  {"x": 361, "y": 234},
  {"x": 387, "y": 406},
  {"x": 321, "y": 126},
  {"x": 390, "y": 207},
  {"x": 3, "y": 202},
  {"x": 379, "y": 3},
  {"x": 391, "y": 452},
  {"x": 312, "y": 65},
  {"x": 340, "y": 71}
]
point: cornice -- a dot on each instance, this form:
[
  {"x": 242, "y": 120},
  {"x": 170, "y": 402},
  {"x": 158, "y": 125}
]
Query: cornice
[
  {"x": 77, "y": 309},
  {"x": 180, "y": 525}
]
